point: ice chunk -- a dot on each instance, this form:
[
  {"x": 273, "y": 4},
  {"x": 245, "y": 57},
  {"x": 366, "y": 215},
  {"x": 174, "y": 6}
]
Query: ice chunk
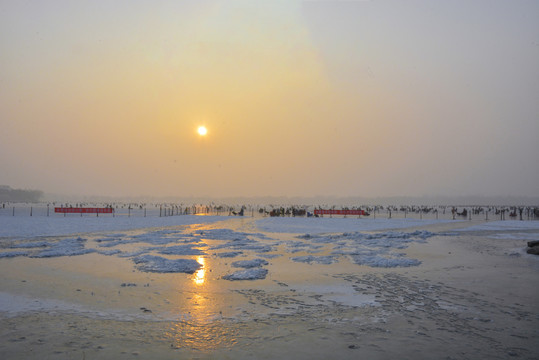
[{"x": 249, "y": 274}]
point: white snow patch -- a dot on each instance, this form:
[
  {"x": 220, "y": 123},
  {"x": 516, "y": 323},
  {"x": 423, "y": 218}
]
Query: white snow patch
[
  {"x": 515, "y": 236},
  {"x": 504, "y": 225},
  {"x": 28, "y": 226}
]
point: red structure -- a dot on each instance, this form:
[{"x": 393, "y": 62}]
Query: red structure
[
  {"x": 340, "y": 212},
  {"x": 82, "y": 210}
]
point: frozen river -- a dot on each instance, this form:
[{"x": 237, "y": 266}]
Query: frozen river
[{"x": 230, "y": 287}]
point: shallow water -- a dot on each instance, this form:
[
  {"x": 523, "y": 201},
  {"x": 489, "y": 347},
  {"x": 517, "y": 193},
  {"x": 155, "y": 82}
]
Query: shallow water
[{"x": 471, "y": 296}]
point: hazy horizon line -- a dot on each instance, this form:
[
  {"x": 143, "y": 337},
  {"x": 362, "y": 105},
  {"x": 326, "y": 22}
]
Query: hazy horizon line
[{"x": 314, "y": 199}]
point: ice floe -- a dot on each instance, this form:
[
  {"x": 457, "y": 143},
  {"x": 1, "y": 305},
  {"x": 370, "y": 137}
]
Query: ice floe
[
  {"x": 376, "y": 249},
  {"x": 65, "y": 247},
  {"x": 13, "y": 254},
  {"x": 180, "y": 250},
  {"x": 247, "y": 264},
  {"x": 109, "y": 252},
  {"x": 326, "y": 260},
  {"x": 245, "y": 244},
  {"x": 30, "y": 245},
  {"x": 112, "y": 243},
  {"x": 229, "y": 254},
  {"x": 298, "y": 246},
  {"x": 151, "y": 263},
  {"x": 248, "y": 274}
]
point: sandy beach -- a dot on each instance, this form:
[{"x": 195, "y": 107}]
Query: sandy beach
[{"x": 302, "y": 288}]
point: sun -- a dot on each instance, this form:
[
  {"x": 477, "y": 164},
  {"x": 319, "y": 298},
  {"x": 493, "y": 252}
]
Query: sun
[{"x": 202, "y": 131}]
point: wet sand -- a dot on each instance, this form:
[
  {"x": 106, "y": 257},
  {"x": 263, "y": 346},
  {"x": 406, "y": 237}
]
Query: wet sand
[{"x": 472, "y": 296}]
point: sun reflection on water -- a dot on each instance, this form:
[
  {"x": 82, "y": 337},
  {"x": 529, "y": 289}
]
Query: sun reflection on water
[
  {"x": 200, "y": 274},
  {"x": 203, "y": 327}
]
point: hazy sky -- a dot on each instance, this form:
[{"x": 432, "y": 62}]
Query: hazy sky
[{"x": 300, "y": 98}]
